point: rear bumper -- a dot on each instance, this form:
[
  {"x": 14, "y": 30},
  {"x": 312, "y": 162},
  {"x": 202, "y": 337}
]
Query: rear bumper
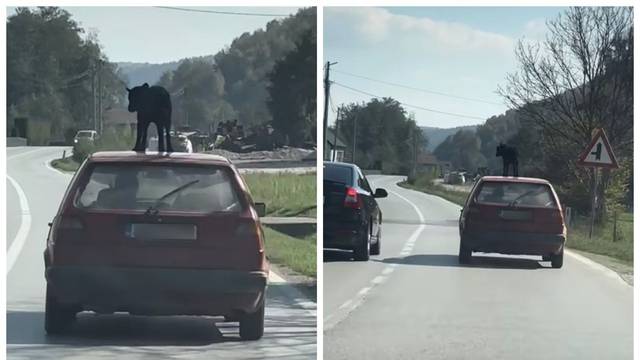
[
  {"x": 158, "y": 291},
  {"x": 514, "y": 243},
  {"x": 341, "y": 235}
]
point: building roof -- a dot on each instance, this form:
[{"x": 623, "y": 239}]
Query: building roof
[
  {"x": 331, "y": 135},
  {"x": 119, "y": 116},
  {"x": 427, "y": 159}
]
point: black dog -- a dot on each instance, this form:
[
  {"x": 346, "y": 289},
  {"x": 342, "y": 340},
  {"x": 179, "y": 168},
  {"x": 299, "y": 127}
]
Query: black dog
[
  {"x": 153, "y": 105},
  {"x": 509, "y": 158}
]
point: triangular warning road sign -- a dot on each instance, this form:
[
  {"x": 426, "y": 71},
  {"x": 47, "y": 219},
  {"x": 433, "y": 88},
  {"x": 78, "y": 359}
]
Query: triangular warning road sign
[{"x": 599, "y": 153}]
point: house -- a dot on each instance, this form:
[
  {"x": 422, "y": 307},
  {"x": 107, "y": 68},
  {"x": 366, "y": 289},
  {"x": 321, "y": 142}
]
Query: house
[
  {"x": 119, "y": 118},
  {"x": 428, "y": 163},
  {"x": 342, "y": 153}
]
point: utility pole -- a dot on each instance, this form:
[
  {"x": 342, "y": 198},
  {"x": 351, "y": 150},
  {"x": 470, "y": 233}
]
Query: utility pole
[
  {"x": 335, "y": 137},
  {"x": 327, "y": 85},
  {"x": 100, "y": 120},
  {"x": 355, "y": 128},
  {"x": 93, "y": 95}
]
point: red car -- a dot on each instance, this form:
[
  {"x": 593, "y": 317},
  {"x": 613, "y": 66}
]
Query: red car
[
  {"x": 513, "y": 215},
  {"x": 157, "y": 234}
]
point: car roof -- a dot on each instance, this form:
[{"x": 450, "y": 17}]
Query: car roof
[
  {"x": 338, "y": 163},
  {"x": 528, "y": 180},
  {"x": 155, "y": 156}
]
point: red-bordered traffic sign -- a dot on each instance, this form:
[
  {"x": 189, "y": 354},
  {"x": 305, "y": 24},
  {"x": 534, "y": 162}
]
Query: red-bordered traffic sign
[{"x": 599, "y": 153}]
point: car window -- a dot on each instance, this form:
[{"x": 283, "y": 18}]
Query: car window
[
  {"x": 134, "y": 187},
  {"x": 517, "y": 194},
  {"x": 84, "y": 134},
  {"x": 338, "y": 174},
  {"x": 362, "y": 182}
]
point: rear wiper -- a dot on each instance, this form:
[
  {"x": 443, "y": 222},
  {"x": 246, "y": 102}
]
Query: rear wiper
[
  {"x": 513, "y": 203},
  {"x": 152, "y": 209}
]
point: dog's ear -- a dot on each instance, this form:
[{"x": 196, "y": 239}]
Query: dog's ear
[
  {"x": 145, "y": 85},
  {"x": 128, "y": 90}
]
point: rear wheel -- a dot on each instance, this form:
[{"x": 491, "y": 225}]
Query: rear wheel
[
  {"x": 557, "y": 259},
  {"x": 375, "y": 248},
  {"x": 58, "y": 318},
  {"x": 464, "y": 254},
  {"x": 361, "y": 252},
  {"x": 252, "y": 325}
]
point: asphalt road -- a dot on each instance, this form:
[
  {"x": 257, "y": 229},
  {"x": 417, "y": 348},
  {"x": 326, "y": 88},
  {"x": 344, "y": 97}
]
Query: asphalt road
[
  {"x": 290, "y": 324},
  {"x": 414, "y": 301}
]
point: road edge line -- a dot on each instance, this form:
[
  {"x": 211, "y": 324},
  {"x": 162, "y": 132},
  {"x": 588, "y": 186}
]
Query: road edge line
[
  {"x": 25, "y": 226},
  {"x": 596, "y": 266}
]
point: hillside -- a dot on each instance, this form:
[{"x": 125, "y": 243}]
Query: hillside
[
  {"x": 139, "y": 73},
  {"x": 437, "y": 135}
]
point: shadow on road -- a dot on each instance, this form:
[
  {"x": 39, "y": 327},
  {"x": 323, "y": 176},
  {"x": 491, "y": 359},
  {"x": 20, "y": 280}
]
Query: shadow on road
[
  {"x": 285, "y": 322},
  {"x": 477, "y": 261},
  {"x": 337, "y": 256}
]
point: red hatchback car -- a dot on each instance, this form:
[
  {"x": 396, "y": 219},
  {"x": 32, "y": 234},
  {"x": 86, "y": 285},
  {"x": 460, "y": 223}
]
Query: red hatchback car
[
  {"x": 513, "y": 215},
  {"x": 157, "y": 234}
]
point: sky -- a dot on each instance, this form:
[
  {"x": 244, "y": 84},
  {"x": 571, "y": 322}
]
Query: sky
[
  {"x": 156, "y": 35},
  {"x": 461, "y": 51}
]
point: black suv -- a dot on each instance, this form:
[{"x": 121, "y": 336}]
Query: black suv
[{"x": 352, "y": 218}]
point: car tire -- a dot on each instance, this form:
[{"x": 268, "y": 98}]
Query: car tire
[
  {"x": 362, "y": 250},
  {"x": 252, "y": 325},
  {"x": 464, "y": 254},
  {"x": 58, "y": 318},
  {"x": 557, "y": 260},
  {"x": 375, "y": 248}
]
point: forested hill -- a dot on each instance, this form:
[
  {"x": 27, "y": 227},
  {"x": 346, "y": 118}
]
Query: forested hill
[
  {"x": 437, "y": 135},
  {"x": 134, "y": 73}
]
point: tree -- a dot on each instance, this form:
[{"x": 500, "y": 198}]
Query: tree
[
  {"x": 577, "y": 80},
  {"x": 292, "y": 92}
]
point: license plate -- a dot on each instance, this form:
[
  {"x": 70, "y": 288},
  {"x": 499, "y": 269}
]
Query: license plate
[
  {"x": 514, "y": 215},
  {"x": 144, "y": 231}
]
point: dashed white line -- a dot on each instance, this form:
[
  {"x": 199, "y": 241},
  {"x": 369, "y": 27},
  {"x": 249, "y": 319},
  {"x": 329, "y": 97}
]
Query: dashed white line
[
  {"x": 350, "y": 305},
  {"x": 23, "y": 230}
]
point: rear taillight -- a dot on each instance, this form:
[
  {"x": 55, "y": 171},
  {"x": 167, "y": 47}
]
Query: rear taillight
[
  {"x": 247, "y": 230},
  {"x": 352, "y": 199},
  {"x": 69, "y": 223}
]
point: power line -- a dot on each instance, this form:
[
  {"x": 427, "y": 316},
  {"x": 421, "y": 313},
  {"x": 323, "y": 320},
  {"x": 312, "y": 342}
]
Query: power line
[
  {"x": 409, "y": 105},
  {"x": 418, "y": 89},
  {"x": 221, "y": 12}
]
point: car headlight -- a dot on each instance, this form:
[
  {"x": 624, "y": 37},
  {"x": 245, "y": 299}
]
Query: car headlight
[{"x": 75, "y": 141}]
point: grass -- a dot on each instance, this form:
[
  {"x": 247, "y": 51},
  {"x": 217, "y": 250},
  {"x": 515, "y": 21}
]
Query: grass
[
  {"x": 285, "y": 194},
  {"x": 66, "y": 164},
  {"x": 297, "y": 254},
  {"x": 578, "y": 234},
  {"x": 602, "y": 241}
]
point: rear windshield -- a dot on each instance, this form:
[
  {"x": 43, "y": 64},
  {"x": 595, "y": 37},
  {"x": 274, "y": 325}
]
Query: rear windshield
[
  {"x": 516, "y": 194},
  {"x": 338, "y": 174},
  {"x": 162, "y": 187}
]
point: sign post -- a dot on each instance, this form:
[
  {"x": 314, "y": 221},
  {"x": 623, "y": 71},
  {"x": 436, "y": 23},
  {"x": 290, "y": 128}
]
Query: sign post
[{"x": 597, "y": 155}]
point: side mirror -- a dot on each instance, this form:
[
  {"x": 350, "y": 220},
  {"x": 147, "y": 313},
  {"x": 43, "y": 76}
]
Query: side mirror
[
  {"x": 380, "y": 193},
  {"x": 261, "y": 209}
]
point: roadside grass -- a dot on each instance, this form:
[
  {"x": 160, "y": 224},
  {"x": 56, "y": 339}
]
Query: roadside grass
[
  {"x": 285, "y": 194},
  {"x": 297, "y": 254},
  {"x": 602, "y": 241},
  {"x": 67, "y": 164},
  {"x": 578, "y": 233}
]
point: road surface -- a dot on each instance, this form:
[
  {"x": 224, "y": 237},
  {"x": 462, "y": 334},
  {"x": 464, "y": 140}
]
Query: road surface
[
  {"x": 34, "y": 192},
  {"x": 414, "y": 301}
]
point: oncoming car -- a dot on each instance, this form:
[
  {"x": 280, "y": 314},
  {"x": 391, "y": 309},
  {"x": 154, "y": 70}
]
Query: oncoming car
[
  {"x": 513, "y": 215},
  {"x": 157, "y": 234}
]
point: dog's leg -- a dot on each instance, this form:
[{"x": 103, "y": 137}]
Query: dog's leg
[
  {"x": 138, "y": 136},
  {"x": 515, "y": 167},
  {"x": 143, "y": 140},
  {"x": 505, "y": 167},
  {"x": 167, "y": 129},
  {"x": 161, "y": 147}
]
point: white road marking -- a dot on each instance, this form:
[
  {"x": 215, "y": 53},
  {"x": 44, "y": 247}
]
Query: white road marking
[
  {"x": 350, "y": 305},
  {"x": 25, "y": 226},
  {"x": 603, "y": 269},
  {"x": 26, "y": 153},
  {"x": 274, "y": 278}
]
